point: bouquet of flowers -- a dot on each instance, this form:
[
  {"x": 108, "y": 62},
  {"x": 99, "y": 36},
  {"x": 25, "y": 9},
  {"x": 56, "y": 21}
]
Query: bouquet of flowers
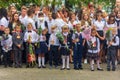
[
  {"x": 87, "y": 33},
  {"x": 108, "y": 33},
  {"x": 31, "y": 55},
  {"x": 61, "y": 38},
  {"x": 92, "y": 44}
]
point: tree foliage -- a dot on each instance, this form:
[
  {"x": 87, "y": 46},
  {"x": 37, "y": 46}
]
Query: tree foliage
[{"x": 19, "y": 3}]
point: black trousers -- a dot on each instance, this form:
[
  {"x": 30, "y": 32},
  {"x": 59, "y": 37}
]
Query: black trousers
[
  {"x": 111, "y": 57},
  {"x": 53, "y": 55},
  {"x": 18, "y": 57},
  {"x": 7, "y": 58}
]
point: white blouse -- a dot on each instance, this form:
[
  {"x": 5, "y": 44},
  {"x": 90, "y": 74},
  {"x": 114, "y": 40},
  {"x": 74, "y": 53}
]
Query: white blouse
[
  {"x": 111, "y": 25},
  {"x": 32, "y": 34},
  {"x": 70, "y": 25},
  {"x": 99, "y": 25},
  {"x": 30, "y": 20},
  {"x": 4, "y": 22}
]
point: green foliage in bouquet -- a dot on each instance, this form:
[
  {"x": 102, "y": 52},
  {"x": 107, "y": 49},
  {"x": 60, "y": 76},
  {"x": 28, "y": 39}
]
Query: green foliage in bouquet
[
  {"x": 108, "y": 35},
  {"x": 60, "y": 36},
  {"x": 39, "y": 32}
]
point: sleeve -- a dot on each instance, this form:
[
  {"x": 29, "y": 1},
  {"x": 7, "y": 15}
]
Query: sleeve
[
  {"x": 50, "y": 41},
  {"x": 116, "y": 42},
  {"x": 34, "y": 27},
  {"x": 3, "y": 23},
  {"x": 25, "y": 37},
  {"x": 11, "y": 42},
  {"x": 35, "y": 37},
  {"x": 73, "y": 36}
]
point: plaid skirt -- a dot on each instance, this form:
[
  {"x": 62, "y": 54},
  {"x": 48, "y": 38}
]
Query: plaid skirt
[{"x": 93, "y": 56}]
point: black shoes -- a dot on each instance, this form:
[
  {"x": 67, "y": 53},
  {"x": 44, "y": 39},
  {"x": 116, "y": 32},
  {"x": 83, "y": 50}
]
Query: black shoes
[
  {"x": 64, "y": 68},
  {"x": 108, "y": 69},
  {"x": 99, "y": 69},
  {"x": 92, "y": 70},
  {"x": 41, "y": 67}
]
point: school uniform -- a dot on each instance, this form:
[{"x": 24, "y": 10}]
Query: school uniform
[
  {"x": 77, "y": 50},
  {"x": 29, "y": 20},
  {"x": 34, "y": 38},
  {"x": 65, "y": 49},
  {"x": 6, "y": 44},
  {"x": 99, "y": 27},
  {"x": 18, "y": 40},
  {"x": 3, "y": 22},
  {"x": 54, "y": 45},
  {"x": 23, "y": 19},
  {"x": 72, "y": 25},
  {"x": 111, "y": 54},
  {"x": 59, "y": 23},
  {"x": 93, "y": 46},
  {"x": 43, "y": 48},
  {"x": 114, "y": 25},
  {"x": 50, "y": 23}
]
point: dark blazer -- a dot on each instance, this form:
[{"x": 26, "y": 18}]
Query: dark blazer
[{"x": 17, "y": 41}]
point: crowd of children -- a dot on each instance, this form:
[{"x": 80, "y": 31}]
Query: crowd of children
[{"x": 40, "y": 36}]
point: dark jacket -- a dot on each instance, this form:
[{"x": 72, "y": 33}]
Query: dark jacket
[{"x": 17, "y": 40}]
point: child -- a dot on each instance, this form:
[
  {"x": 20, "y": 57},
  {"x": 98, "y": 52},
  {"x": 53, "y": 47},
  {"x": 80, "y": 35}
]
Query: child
[
  {"x": 65, "y": 47},
  {"x": 30, "y": 37},
  {"x": 93, "y": 50},
  {"x": 53, "y": 48},
  {"x": 78, "y": 47},
  {"x": 42, "y": 49},
  {"x": 18, "y": 45},
  {"x": 112, "y": 50},
  {"x": 6, "y": 44}
]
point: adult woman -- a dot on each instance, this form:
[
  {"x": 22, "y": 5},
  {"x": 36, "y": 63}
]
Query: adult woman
[
  {"x": 99, "y": 25},
  {"x": 85, "y": 23},
  {"x": 15, "y": 20}
]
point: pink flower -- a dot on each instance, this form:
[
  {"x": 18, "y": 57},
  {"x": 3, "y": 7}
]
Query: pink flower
[{"x": 87, "y": 34}]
